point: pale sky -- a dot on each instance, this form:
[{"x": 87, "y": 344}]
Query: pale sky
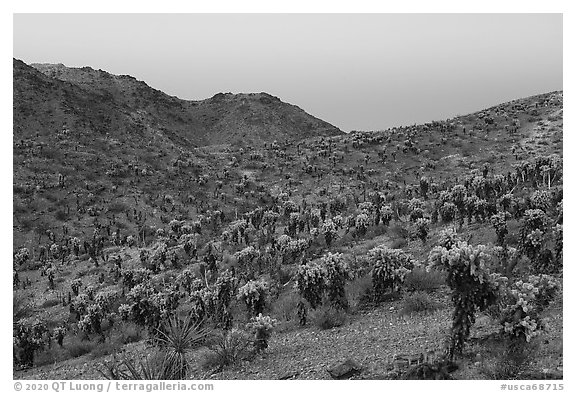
[{"x": 356, "y": 71}]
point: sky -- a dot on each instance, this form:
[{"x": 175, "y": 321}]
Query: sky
[{"x": 356, "y": 71}]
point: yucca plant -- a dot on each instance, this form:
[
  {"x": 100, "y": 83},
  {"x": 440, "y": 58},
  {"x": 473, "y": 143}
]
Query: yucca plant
[
  {"x": 177, "y": 337},
  {"x": 153, "y": 367}
]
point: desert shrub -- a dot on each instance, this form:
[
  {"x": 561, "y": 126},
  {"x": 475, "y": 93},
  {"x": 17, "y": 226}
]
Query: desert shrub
[
  {"x": 117, "y": 207},
  {"x": 359, "y": 291},
  {"x": 261, "y": 327},
  {"x": 421, "y": 280},
  {"x": 399, "y": 243},
  {"x": 328, "y": 317},
  {"x": 227, "y": 349},
  {"x": 80, "y": 348},
  {"x": 61, "y": 215},
  {"x": 512, "y": 360},
  {"x": 285, "y": 307},
  {"x": 418, "y": 302},
  {"x": 50, "y": 303},
  {"x": 105, "y": 349},
  {"x": 130, "y": 333}
]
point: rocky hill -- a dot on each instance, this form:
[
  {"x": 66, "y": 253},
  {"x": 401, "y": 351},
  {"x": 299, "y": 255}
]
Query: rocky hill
[{"x": 223, "y": 119}]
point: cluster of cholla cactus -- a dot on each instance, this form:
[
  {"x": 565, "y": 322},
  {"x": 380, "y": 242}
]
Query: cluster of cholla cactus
[
  {"x": 261, "y": 327},
  {"x": 253, "y": 294},
  {"x": 522, "y": 306},
  {"x": 389, "y": 268}
]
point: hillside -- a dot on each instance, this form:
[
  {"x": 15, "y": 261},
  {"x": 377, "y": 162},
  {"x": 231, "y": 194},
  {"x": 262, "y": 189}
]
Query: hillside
[
  {"x": 250, "y": 119},
  {"x": 149, "y": 213}
]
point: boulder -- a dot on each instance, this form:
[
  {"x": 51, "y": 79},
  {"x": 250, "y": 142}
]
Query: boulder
[{"x": 345, "y": 370}]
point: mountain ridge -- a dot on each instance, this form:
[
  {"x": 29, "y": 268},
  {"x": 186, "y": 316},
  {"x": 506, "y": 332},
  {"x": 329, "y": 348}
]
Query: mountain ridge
[{"x": 243, "y": 118}]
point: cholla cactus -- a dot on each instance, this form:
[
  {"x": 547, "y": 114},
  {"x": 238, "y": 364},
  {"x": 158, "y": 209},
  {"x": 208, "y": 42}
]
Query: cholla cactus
[
  {"x": 558, "y": 233},
  {"x": 421, "y": 229},
  {"x": 448, "y": 238},
  {"x": 329, "y": 231},
  {"x": 282, "y": 242},
  {"x": 448, "y": 211},
  {"x": 366, "y": 207},
  {"x": 130, "y": 241},
  {"x": 296, "y": 247},
  {"x": 254, "y": 294},
  {"x": 310, "y": 283},
  {"x": 336, "y": 272},
  {"x": 50, "y": 273},
  {"x": 506, "y": 201},
  {"x": 262, "y": 327},
  {"x": 124, "y": 311},
  {"x": 246, "y": 255},
  {"x": 386, "y": 214},
  {"x": 236, "y": 230},
  {"x": 338, "y": 221},
  {"x": 175, "y": 226},
  {"x": 533, "y": 244},
  {"x": 540, "y": 200},
  {"x": 499, "y": 223},
  {"x": 55, "y": 251},
  {"x": 75, "y": 245},
  {"x": 90, "y": 291},
  {"x": 269, "y": 218},
  {"x": 289, "y": 207},
  {"x": 474, "y": 287},
  {"x": 30, "y": 335},
  {"x": 133, "y": 277},
  {"x": 534, "y": 219},
  {"x": 59, "y": 333},
  {"x": 75, "y": 285},
  {"x": 91, "y": 322},
  {"x": 389, "y": 268},
  {"x": 416, "y": 209},
  {"x": 105, "y": 300},
  {"x": 218, "y": 299},
  {"x": 361, "y": 223},
  {"x": 143, "y": 307},
  {"x": 188, "y": 282},
  {"x": 22, "y": 256},
  {"x": 314, "y": 233},
  {"x": 524, "y": 303}
]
